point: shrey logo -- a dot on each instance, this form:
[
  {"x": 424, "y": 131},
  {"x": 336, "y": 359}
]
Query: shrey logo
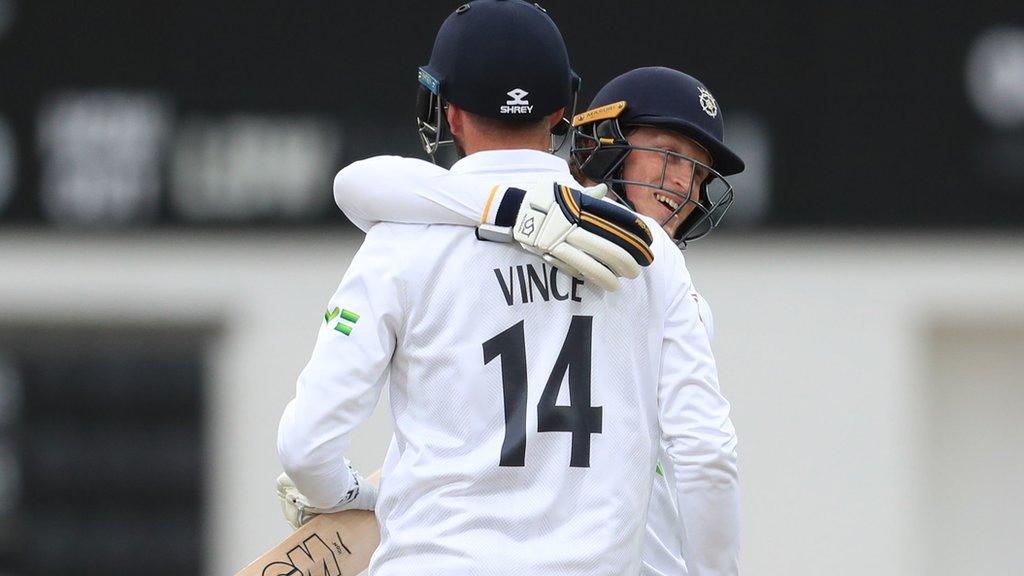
[
  {"x": 517, "y": 97},
  {"x": 707, "y": 102},
  {"x": 518, "y": 103}
]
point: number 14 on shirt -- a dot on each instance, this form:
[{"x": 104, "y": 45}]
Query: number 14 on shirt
[{"x": 578, "y": 418}]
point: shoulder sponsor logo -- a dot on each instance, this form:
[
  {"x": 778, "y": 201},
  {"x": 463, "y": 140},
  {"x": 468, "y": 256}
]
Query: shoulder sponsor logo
[
  {"x": 518, "y": 104},
  {"x": 346, "y": 316}
]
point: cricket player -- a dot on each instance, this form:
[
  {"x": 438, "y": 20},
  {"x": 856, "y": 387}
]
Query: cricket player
[
  {"x": 529, "y": 406},
  {"x": 656, "y": 137}
]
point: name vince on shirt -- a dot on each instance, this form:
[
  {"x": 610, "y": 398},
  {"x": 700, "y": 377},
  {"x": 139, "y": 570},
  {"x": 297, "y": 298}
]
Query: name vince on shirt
[{"x": 525, "y": 283}]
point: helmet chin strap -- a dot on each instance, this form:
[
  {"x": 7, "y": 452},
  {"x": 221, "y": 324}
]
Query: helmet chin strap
[{"x": 562, "y": 131}]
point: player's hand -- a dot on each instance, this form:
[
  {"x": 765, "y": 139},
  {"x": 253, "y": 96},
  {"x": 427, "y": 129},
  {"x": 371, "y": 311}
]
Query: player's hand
[
  {"x": 297, "y": 509},
  {"x": 577, "y": 232}
]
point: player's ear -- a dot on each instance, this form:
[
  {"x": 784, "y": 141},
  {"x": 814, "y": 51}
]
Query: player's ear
[{"x": 456, "y": 119}]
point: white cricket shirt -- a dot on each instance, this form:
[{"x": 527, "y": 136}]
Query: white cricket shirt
[
  {"x": 395, "y": 189},
  {"x": 528, "y": 406}
]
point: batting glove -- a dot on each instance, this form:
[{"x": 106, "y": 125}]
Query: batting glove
[
  {"x": 576, "y": 232},
  {"x": 297, "y": 509}
]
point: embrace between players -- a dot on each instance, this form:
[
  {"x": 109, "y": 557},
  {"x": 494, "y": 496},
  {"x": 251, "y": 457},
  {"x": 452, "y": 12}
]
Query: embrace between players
[{"x": 556, "y": 411}]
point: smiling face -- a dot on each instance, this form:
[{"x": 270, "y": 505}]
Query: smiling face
[{"x": 682, "y": 177}]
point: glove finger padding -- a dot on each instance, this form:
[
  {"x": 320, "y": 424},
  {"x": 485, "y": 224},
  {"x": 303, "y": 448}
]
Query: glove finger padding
[
  {"x": 562, "y": 266},
  {"x": 589, "y": 237},
  {"x": 610, "y": 221},
  {"x": 612, "y": 256},
  {"x": 294, "y": 505},
  {"x": 298, "y": 510},
  {"x": 588, "y": 268},
  {"x": 599, "y": 191}
]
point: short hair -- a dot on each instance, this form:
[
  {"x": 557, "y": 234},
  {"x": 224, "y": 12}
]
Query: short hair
[{"x": 508, "y": 126}]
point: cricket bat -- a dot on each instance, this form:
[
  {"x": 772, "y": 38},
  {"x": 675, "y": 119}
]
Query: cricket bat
[{"x": 338, "y": 544}]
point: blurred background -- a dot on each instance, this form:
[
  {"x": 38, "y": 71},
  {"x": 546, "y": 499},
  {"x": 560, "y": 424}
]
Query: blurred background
[{"x": 168, "y": 239}]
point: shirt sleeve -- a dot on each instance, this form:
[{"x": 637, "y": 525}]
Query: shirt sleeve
[
  {"x": 699, "y": 437},
  {"x": 340, "y": 386},
  {"x": 704, "y": 313},
  {"x": 412, "y": 191}
]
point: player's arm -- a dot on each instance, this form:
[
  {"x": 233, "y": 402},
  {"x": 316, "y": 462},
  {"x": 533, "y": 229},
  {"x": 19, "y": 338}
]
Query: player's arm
[
  {"x": 340, "y": 386},
  {"x": 569, "y": 228},
  {"x": 704, "y": 312},
  {"x": 407, "y": 191},
  {"x": 699, "y": 437}
]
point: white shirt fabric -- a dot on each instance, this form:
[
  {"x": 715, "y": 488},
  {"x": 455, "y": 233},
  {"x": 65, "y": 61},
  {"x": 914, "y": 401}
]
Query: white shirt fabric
[
  {"x": 432, "y": 303},
  {"x": 396, "y": 189}
]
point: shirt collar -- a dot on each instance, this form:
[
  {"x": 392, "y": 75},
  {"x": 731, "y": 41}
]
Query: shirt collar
[{"x": 510, "y": 161}]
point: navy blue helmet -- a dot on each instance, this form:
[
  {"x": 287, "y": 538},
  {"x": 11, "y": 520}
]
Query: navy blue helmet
[
  {"x": 662, "y": 98},
  {"x": 501, "y": 59}
]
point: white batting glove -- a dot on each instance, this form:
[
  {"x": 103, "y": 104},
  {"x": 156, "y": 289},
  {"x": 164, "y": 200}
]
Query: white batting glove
[
  {"x": 297, "y": 509},
  {"x": 574, "y": 231}
]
